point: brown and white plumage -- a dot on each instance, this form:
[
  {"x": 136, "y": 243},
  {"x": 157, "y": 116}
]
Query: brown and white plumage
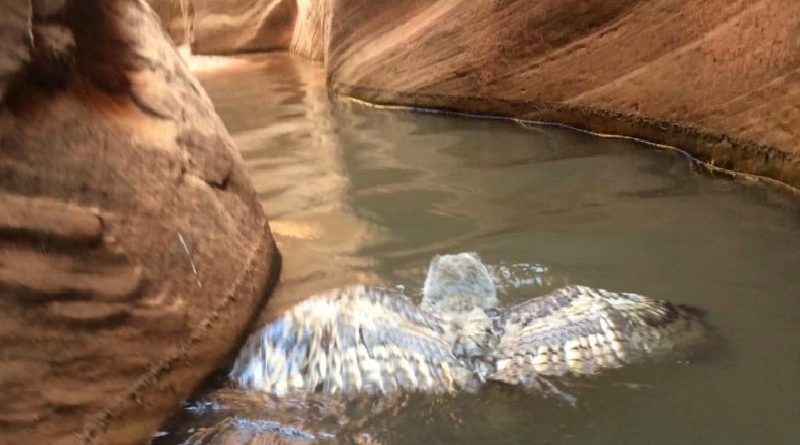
[
  {"x": 581, "y": 330},
  {"x": 362, "y": 339},
  {"x": 355, "y": 339}
]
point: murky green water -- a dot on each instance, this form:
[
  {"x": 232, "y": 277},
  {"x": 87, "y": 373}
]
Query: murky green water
[{"x": 357, "y": 194}]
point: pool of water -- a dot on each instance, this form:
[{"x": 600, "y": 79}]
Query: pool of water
[{"x": 364, "y": 195}]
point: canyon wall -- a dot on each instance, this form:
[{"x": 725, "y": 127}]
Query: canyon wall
[
  {"x": 310, "y": 35},
  {"x": 718, "y": 78},
  {"x": 175, "y": 15},
  {"x": 247, "y": 26},
  {"x": 238, "y": 26}
]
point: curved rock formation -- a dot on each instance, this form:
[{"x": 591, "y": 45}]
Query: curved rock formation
[
  {"x": 310, "y": 34},
  {"x": 718, "y": 78},
  {"x": 175, "y": 15},
  {"x": 241, "y": 26},
  {"x": 133, "y": 251},
  {"x": 236, "y": 26}
]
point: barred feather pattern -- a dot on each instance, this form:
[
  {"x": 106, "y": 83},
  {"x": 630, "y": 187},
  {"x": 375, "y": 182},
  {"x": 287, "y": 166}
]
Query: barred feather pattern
[
  {"x": 353, "y": 340},
  {"x": 580, "y": 330},
  {"x": 368, "y": 340}
]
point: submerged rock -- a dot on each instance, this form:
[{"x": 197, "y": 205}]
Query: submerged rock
[{"x": 133, "y": 251}]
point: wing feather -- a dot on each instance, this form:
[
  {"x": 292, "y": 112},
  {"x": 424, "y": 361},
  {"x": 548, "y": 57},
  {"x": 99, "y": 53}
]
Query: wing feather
[
  {"x": 356, "y": 339},
  {"x": 581, "y": 330}
]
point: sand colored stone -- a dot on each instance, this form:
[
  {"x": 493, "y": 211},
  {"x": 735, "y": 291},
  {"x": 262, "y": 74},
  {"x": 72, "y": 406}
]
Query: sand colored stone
[
  {"x": 310, "y": 35},
  {"x": 237, "y": 26},
  {"x": 175, "y": 16}
]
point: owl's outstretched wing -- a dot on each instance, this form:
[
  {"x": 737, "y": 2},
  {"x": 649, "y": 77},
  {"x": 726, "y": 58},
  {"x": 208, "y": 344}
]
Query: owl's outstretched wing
[
  {"x": 581, "y": 330},
  {"x": 356, "y": 339}
]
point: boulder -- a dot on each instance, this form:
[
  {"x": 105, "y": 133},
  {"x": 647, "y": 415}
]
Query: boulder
[
  {"x": 133, "y": 251},
  {"x": 719, "y": 79},
  {"x": 239, "y": 26}
]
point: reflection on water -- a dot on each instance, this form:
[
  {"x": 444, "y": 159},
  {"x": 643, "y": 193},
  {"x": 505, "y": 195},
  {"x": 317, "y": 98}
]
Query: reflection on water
[{"x": 363, "y": 195}]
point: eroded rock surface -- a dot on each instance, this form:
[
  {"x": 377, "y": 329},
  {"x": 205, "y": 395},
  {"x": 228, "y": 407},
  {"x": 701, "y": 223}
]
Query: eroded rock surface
[
  {"x": 242, "y": 26},
  {"x": 718, "y": 78},
  {"x": 237, "y": 26},
  {"x": 175, "y": 15},
  {"x": 133, "y": 251},
  {"x": 310, "y": 35}
]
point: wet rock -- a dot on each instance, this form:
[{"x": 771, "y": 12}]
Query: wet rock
[
  {"x": 236, "y": 26},
  {"x": 133, "y": 251},
  {"x": 720, "y": 79}
]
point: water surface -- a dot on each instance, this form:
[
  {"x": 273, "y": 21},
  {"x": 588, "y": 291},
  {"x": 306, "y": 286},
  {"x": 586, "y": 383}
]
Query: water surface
[{"x": 363, "y": 195}]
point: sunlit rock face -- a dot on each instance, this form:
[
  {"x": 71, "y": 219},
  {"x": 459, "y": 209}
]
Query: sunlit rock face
[
  {"x": 311, "y": 29},
  {"x": 716, "y": 77},
  {"x": 175, "y": 15},
  {"x": 133, "y": 251},
  {"x": 241, "y": 26},
  {"x": 237, "y": 26}
]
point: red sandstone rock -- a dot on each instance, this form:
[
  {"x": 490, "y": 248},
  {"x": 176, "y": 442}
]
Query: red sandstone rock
[
  {"x": 719, "y": 78},
  {"x": 133, "y": 251}
]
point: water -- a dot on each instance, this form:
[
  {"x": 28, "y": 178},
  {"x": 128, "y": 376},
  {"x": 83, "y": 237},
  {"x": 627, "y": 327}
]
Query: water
[{"x": 363, "y": 195}]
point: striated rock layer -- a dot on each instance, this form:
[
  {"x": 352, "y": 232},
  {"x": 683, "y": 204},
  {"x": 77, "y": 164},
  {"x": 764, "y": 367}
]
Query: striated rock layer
[
  {"x": 242, "y": 26},
  {"x": 718, "y": 78},
  {"x": 310, "y": 34},
  {"x": 237, "y": 26},
  {"x": 133, "y": 251}
]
